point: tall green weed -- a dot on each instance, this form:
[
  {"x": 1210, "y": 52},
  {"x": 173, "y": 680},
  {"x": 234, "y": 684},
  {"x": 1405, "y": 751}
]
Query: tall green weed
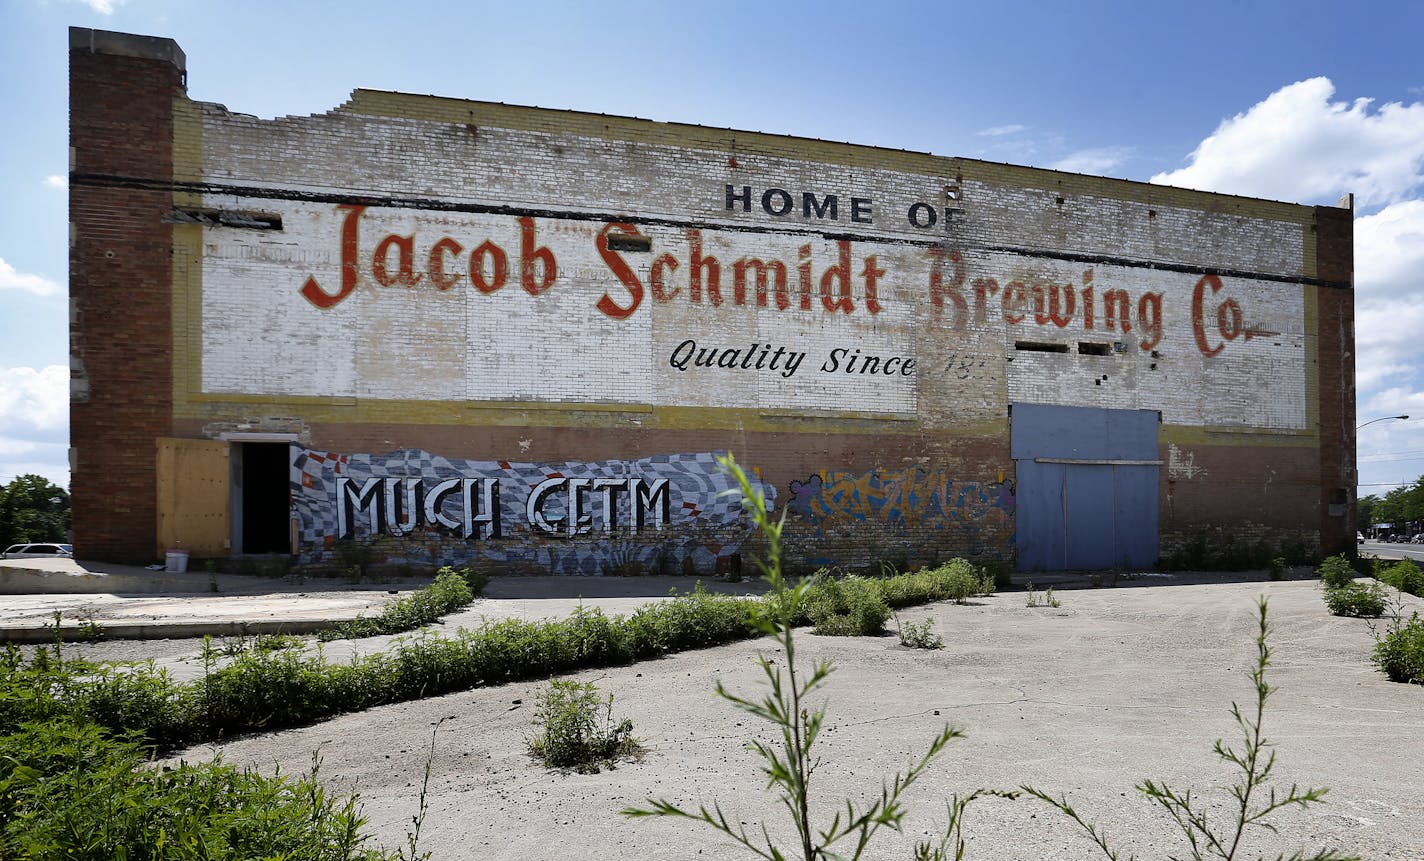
[
  {"x": 1404, "y": 576},
  {"x": 1356, "y": 599},
  {"x": 846, "y": 607},
  {"x": 577, "y": 730},
  {"x": 790, "y": 765},
  {"x": 1399, "y": 652},
  {"x": 1219, "y": 831},
  {"x": 1336, "y": 572}
]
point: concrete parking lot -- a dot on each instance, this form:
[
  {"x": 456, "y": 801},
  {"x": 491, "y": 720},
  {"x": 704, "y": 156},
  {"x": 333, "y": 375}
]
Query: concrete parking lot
[{"x": 1087, "y": 699}]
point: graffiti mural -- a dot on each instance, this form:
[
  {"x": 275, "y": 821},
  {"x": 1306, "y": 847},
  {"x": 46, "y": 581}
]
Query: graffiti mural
[
  {"x": 656, "y": 513},
  {"x": 931, "y": 508}
]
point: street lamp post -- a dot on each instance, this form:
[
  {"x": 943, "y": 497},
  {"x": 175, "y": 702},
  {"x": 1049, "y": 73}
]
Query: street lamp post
[
  {"x": 1370, "y": 422},
  {"x": 1380, "y": 419}
]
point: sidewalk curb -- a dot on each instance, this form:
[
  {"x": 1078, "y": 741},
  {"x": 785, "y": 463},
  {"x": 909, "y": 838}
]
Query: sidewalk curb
[{"x": 71, "y": 631}]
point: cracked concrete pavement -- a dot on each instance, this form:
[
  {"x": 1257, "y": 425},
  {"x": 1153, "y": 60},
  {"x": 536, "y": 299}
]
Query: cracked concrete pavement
[{"x": 1087, "y": 700}]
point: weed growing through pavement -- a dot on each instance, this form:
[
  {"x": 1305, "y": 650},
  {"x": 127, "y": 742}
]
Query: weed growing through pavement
[
  {"x": 791, "y": 765},
  {"x": 232, "y": 647},
  {"x": 412, "y": 852},
  {"x": 952, "y": 845},
  {"x": 451, "y": 591},
  {"x": 917, "y": 635},
  {"x": 72, "y": 789},
  {"x": 1336, "y": 571},
  {"x": 576, "y": 728},
  {"x": 1255, "y": 761},
  {"x": 1403, "y": 575},
  {"x": 846, "y": 606},
  {"x": 964, "y": 582},
  {"x": 1356, "y": 599},
  {"x": 956, "y": 580},
  {"x": 1399, "y": 650},
  {"x": 1041, "y": 599}
]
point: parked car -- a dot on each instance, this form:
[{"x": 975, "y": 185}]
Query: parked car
[
  {"x": 38, "y": 551},
  {"x": 1359, "y": 538}
]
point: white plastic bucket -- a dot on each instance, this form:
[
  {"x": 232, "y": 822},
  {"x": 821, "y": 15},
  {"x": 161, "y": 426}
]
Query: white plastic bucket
[{"x": 177, "y": 562}]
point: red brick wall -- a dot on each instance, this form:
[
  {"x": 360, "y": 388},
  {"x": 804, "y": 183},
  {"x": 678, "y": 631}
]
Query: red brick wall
[
  {"x": 1335, "y": 251},
  {"x": 121, "y": 125}
]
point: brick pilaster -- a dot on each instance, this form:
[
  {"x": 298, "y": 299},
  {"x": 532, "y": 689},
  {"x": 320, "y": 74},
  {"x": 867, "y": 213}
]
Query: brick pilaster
[{"x": 121, "y": 93}]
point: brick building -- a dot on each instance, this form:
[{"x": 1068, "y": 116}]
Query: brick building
[{"x": 457, "y": 330}]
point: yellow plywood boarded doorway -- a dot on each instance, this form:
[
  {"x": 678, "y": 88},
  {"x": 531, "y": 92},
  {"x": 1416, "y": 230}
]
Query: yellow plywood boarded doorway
[{"x": 194, "y": 497}]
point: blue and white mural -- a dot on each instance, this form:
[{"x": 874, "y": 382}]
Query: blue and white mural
[{"x": 667, "y": 512}]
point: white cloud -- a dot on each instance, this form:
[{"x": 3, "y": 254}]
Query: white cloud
[
  {"x": 34, "y": 401},
  {"x": 54, "y": 180},
  {"x": 1387, "y": 342},
  {"x": 1000, "y": 131},
  {"x": 1299, "y": 145},
  {"x": 1389, "y": 298},
  {"x": 1389, "y": 364},
  {"x": 1095, "y": 161},
  {"x": 103, "y": 7},
  {"x": 11, "y": 279},
  {"x": 34, "y": 423},
  {"x": 1389, "y": 250}
]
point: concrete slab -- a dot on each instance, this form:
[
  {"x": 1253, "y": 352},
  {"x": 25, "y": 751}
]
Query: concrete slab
[
  {"x": 95, "y": 600},
  {"x": 1114, "y": 686},
  {"x": 73, "y": 577},
  {"x": 104, "y": 601}
]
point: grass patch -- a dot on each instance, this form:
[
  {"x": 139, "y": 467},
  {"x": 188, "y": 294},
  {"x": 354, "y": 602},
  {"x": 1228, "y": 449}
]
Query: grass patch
[
  {"x": 957, "y": 580},
  {"x": 452, "y": 590},
  {"x": 71, "y": 789}
]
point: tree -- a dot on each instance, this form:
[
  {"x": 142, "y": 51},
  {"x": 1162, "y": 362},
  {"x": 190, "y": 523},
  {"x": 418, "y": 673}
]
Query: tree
[
  {"x": 1366, "y": 511},
  {"x": 32, "y": 508},
  {"x": 1413, "y": 499}
]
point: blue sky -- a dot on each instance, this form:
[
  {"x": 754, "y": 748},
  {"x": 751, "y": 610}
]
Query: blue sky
[{"x": 1300, "y": 101}]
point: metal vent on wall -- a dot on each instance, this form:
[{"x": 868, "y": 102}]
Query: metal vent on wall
[{"x": 225, "y": 218}]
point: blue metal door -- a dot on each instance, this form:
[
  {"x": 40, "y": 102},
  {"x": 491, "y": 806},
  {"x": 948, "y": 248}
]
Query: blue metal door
[{"x": 1087, "y": 487}]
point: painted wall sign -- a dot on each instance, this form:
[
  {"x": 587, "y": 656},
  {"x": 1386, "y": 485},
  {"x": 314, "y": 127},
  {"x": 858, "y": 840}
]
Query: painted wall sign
[
  {"x": 955, "y": 297},
  {"x": 576, "y": 517},
  {"x": 810, "y": 205},
  {"x": 764, "y": 293}
]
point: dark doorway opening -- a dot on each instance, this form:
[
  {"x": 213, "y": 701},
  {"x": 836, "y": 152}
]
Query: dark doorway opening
[{"x": 265, "y": 489}]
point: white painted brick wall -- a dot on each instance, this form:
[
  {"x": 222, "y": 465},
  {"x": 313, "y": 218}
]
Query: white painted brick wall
[{"x": 261, "y": 337}]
